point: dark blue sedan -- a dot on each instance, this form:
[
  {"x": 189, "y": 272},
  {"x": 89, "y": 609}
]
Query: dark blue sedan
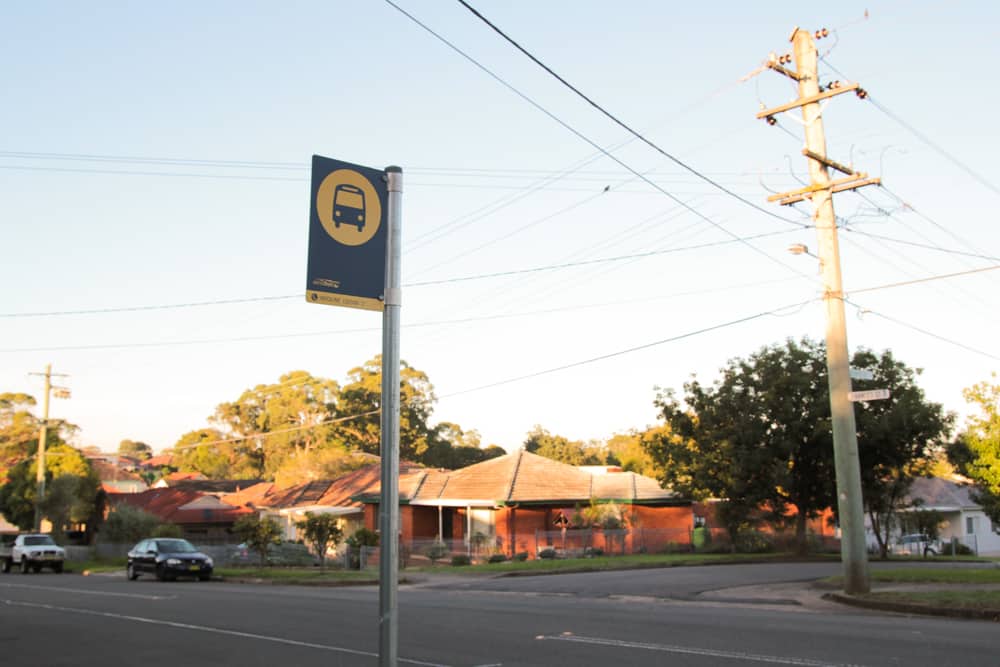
[{"x": 168, "y": 558}]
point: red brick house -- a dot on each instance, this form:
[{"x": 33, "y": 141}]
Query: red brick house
[
  {"x": 202, "y": 518},
  {"x": 519, "y": 501}
]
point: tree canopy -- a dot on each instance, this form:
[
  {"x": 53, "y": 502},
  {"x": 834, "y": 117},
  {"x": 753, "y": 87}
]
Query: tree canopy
[
  {"x": 760, "y": 437},
  {"x": 135, "y": 449},
  {"x": 976, "y": 453},
  {"x": 71, "y": 489},
  {"x": 306, "y": 427}
]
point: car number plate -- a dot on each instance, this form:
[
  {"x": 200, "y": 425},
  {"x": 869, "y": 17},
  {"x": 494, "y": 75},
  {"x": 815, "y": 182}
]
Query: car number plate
[{"x": 194, "y": 567}]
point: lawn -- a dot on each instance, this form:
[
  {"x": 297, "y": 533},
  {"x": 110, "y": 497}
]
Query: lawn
[{"x": 596, "y": 564}]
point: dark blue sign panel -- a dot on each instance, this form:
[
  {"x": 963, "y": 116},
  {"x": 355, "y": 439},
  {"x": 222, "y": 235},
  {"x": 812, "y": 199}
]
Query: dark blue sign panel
[{"x": 347, "y": 235}]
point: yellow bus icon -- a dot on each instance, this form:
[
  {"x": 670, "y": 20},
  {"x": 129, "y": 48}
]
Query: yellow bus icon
[{"x": 349, "y": 206}]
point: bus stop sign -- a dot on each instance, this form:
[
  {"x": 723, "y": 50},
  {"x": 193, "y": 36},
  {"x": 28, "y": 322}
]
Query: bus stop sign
[{"x": 347, "y": 235}]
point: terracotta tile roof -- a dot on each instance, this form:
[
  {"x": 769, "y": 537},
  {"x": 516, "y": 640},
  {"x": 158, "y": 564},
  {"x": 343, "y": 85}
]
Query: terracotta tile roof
[
  {"x": 158, "y": 461},
  {"x": 166, "y": 503},
  {"x": 629, "y": 486},
  {"x": 524, "y": 477},
  {"x": 109, "y": 472},
  {"x": 251, "y": 495},
  {"x": 340, "y": 492},
  {"x": 215, "y": 486}
]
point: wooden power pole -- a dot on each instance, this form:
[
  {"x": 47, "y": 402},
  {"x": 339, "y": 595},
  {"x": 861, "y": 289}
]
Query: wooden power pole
[
  {"x": 61, "y": 392},
  {"x": 853, "y": 546}
]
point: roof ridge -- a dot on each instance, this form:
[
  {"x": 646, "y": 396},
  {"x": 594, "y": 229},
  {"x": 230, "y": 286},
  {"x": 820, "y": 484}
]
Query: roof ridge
[
  {"x": 513, "y": 477},
  {"x": 420, "y": 484}
]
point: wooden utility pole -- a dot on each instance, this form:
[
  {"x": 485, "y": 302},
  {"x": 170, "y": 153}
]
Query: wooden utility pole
[
  {"x": 853, "y": 546},
  {"x": 61, "y": 392}
]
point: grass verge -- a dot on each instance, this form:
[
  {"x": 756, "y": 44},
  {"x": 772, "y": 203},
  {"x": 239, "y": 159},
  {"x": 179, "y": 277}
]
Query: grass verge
[
  {"x": 978, "y": 600},
  {"x": 297, "y": 575},
  {"x": 596, "y": 564}
]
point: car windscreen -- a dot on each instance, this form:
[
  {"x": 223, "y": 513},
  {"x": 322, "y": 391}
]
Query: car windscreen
[
  {"x": 37, "y": 540},
  {"x": 174, "y": 546}
]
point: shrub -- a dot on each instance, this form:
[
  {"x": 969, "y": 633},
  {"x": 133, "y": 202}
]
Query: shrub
[
  {"x": 499, "y": 558},
  {"x": 128, "y": 524},
  {"x": 460, "y": 559},
  {"x": 167, "y": 530},
  {"x": 521, "y": 556},
  {"x": 593, "y": 552},
  {"x": 547, "y": 554},
  {"x": 436, "y": 552},
  {"x": 959, "y": 549},
  {"x": 753, "y": 543}
]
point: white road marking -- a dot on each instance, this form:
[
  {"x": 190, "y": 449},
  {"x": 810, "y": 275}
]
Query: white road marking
[
  {"x": 218, "y": 631},
  {"x": 84, "y": 591},
  {"x": 713, "y": 653}
]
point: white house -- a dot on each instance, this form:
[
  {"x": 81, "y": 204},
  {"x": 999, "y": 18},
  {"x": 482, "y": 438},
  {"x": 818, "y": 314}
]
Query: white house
[{"x": 964, "y": 520}]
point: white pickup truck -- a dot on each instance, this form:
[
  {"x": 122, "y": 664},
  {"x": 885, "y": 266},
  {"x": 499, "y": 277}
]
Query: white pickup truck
[{"x": 31, "y": 551}]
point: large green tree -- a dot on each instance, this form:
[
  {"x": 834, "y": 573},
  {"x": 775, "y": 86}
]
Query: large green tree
[
  {"x": 898, "y": 439},
  {"x": 559, "y": 448},
  {"x": 136, "y": 449},
  {"x": 71, "y": 489},
  {"x": 361, "y": 400},
  {"x": 760, "y": 436},
  {"x": 976, "y": 452},
  {"x": 19, "y": 430},
  {"x": 271, "y": 422}
]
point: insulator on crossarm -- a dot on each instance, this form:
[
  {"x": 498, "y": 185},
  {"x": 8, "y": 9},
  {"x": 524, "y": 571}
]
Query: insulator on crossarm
[
  {"x": 771, "y": 120},
  {"x": 862, "y": 93}
]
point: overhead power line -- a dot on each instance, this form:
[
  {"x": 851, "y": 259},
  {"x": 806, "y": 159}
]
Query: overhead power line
[
  {"x": 621, "y": 123},
  {"x": 590, "y": 141},
  {"x": 923, "y": 137},
  {"x": 925, "y": 246},
  {"x": 637, "y": 348},
  {"x": 443, "y": 281},
  {"x": 922, "y": 280},
  {"x": 939, "y": 337}
]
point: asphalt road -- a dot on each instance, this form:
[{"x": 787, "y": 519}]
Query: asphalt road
[{"x": 620, "y": 618}]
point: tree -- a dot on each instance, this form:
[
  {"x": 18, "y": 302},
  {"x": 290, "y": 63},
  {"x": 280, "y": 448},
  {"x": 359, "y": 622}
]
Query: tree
[
  {"x": 556, "y": 447},
  {"x": 271, "y": 422},
  {"x": 70, "y": 501},
  {"x": 126, "y": 524},
  {"x": 135, "y": 449},
  {"x": 325, "y": 463},
  {"x": 361, "y": 399},
  {"x": 626, "y": 450},
  {"x": 207, "y": 452},
  {"x": 259, "y": 534},
  {"x": 760, "y": 437},
  {"x": 322, "y": 532},
  {"x": 19, "y": 430},
  {"x": 898, "y": 439},
  {"x": 452, "y": 447},
  {"x": 976, "y": 453}
]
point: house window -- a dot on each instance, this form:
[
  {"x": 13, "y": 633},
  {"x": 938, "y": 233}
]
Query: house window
[{"x": 970, "y": 525}]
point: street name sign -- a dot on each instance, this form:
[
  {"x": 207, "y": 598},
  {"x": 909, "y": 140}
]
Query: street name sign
[
  {"x": 862, "y": 374},
  {"x": 871, "y": 395},
  {"x": 347, "y": 235}
]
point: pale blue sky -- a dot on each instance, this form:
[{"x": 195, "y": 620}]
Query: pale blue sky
[{"x": 183, "y": 87}]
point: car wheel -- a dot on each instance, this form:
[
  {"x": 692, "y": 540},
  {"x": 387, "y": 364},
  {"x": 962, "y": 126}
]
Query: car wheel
[
  {"x": 131, "y": 573},
  {"x": 57, "y": 568},
  {"x": 36, "y": 568},
  {"x": 5, "y": 566},
  {"x": 24, "y": 566}
]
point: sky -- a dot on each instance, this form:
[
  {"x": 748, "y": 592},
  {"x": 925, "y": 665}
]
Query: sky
[{"x": 155, "y": 189}]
